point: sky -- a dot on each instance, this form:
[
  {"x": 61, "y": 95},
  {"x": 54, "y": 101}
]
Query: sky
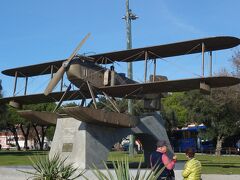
[{"x": 34, "y": 32}]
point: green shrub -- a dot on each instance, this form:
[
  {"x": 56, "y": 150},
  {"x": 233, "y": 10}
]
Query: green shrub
[
  {"x": 56, "y": 169},
  {"x": 52, "y": 169}
]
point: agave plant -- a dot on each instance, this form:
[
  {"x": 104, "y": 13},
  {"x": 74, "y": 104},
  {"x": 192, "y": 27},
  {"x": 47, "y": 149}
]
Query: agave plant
[
  {"x": 122, "y": 172},
  {"x": 52, "y": 169}
]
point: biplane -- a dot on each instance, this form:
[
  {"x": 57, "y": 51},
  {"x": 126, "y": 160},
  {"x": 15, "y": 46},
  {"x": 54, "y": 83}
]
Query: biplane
[{"x": 92, "y": 79}]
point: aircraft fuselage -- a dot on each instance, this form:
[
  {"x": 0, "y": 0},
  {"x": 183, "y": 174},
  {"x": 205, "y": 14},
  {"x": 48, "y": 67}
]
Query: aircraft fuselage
[{"x": 79, "y": 72}]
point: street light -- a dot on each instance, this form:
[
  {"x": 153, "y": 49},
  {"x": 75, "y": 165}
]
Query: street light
[{"x": 128, "y": 18}]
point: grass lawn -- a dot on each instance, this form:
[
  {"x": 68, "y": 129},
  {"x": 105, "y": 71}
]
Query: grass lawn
[
  {"x": 118, "y": 155},
  {"x": 211, "y": 164},
  {"x": 17, "y": 158}
]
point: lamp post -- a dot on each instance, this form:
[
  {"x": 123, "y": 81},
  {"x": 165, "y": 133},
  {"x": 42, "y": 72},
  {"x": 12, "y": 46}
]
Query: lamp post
[
  {"x": 128, "y": 18},
  {"x": 0, "y": 87}
]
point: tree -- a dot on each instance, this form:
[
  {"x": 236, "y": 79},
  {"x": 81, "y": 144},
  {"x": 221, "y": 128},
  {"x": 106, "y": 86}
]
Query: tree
[
  {"x": 25, "y": 128},
  {"x": 236, "y": 63},
  {"x": 173, "y": 111},
  {"x": 2, "y": 106},
  {"x": 11, "y": 121},
  {"x": 71, "y": 104},
  {"x": 40, "y": 129},
  {"x": 50, "y": 132},
  {"x": 122, "y": 104},
  {"x": 219, "y": 112},
  {"x": 49, "y": 107}
]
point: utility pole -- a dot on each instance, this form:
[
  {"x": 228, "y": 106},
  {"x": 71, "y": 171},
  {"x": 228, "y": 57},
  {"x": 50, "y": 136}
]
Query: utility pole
[
  {"x": 0, "y": 87},
  {"x": 128, "y": 18}
]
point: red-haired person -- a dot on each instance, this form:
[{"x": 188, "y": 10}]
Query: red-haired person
[{"x": 192, "y": 168}]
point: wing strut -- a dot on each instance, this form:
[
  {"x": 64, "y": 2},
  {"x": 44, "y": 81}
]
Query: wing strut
[
  {"x": 203, "y": 50},
  {"x": 92, "y": 95},
  {"x": 15, "y": 83},
  {"x": 154, "y": 71},
  {"x": 63, "y": 96},
  {"x": 145, "y": 72},
  {"x": 112, "y": 102},
  {"x": 82, "y": 102}
]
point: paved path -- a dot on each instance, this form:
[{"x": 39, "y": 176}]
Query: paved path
[{"x": 12, "y": 173}]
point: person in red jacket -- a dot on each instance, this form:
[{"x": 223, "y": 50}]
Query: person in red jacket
[{"x": 160, "y": 160}]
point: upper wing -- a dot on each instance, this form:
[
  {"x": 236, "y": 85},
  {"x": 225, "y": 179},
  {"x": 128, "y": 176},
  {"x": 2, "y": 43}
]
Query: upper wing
[
  {"x": 35, "y": 70},
  {"x": 160, "y": 51},
  {"x": 131, "y": 90},
  {"x": 169, "y": 50}
]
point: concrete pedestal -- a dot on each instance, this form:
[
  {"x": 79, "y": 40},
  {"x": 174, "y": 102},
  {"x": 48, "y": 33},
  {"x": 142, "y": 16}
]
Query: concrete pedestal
[{"x": 84, "y": 143}]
